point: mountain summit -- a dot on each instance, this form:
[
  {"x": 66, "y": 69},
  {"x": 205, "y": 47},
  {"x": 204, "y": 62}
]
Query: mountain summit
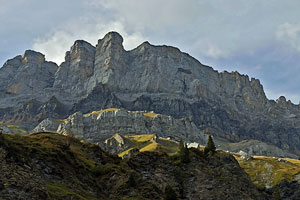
[{"x": 148, "y": 78}]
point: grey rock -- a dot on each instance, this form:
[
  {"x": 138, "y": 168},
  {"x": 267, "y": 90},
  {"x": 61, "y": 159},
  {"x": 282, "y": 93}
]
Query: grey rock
[
  {"x": 153, "y": 78},
  {"x": 116, "y": 144},
  {"x": 253, "y": 147},
  {"x": 25, "y": 77},
  {"x": 97, "y": 127},
  {"x": 4, "y": 129}
]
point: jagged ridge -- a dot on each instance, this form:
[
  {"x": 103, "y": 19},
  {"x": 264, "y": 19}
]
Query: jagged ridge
[{"x": 153, "y": 78}]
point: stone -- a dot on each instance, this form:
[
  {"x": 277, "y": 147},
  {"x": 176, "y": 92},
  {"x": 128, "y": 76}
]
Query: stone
[
  {"x": 4, "y": 129},
  {"x": 98, "y": 126}
]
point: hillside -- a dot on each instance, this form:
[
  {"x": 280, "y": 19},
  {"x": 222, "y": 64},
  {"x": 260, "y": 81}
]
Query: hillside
[
  {"x": 265, "y": 172},
  {"x": 269, "y": 171},
  {"x": 148, "y": 78},
  {"x": 52, "y": 166}
]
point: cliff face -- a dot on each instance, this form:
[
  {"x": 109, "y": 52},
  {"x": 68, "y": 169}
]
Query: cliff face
[
  {"x": 152, "y": 78},
  {"x": 96, "y": 127}
]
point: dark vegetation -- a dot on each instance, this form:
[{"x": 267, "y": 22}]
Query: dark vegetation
[
  {"x": 183, "y": 152},
  {"x": 210, "y": 146},
  {"x": 52, "y": 166}
]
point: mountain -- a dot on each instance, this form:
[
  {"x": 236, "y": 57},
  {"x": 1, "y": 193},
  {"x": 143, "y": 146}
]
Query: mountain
[
  {"x": 53, "y": 166},
  {"x": 148, "y": 78},
  {"x": 99, "y": 125}
]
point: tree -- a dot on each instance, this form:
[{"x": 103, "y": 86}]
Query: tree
[
  {"x": 170, "y": 193},
  {"x": 210, "y": 146},
  {"x": 181, "y": 148},
  {"x": 69, "y": 139},
  {"x": 184, "y": 153}
]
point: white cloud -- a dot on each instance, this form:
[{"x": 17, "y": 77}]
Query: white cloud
[
  {"x": 59, "y": 41},
  {"x": 289, "y": 34},
  {"x": 209, "y": 49}
]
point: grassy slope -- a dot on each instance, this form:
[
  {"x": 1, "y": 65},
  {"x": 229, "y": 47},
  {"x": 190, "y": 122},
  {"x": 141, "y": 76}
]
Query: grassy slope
[
  {"x": 264, "y": 171},
  {"x": 54, "y": 170},
  {"x": 101, "y": 111},
  {"x": 149, "y": 142},
  {"x": 85, "y": 169},
  {"x": 268, "y": 171}
]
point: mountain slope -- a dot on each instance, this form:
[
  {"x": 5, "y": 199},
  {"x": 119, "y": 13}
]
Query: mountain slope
[
  {"x": 265, "y": 172},
  {"x": 52, "y": 166},
  {"x": 152, "y": 78}
]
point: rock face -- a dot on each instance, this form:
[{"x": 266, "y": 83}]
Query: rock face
[
  {"x": 96, "y": 127},
  {"x": 4, "y": 129},
  {"x": 255, "y": 147},
  {"x": 153, "y": 78},
  {"x": 116, "y": 144}
]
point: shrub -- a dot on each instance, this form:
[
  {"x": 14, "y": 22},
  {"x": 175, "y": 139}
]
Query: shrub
[
  {"x": 169, "y": 193},
  {"x": 132, "y": 180}
]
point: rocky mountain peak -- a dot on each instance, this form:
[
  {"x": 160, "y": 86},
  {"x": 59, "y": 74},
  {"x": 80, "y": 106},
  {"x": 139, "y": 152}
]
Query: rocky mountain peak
[
  {"x": 31, "y": 56},
  {"x": 113, "y": 37},
  {"x": 111, "y": 45},
  {"x": 81, "y": 50},
  {"x": 281, "y": 99},
  {"x": 15, "y": 62}
]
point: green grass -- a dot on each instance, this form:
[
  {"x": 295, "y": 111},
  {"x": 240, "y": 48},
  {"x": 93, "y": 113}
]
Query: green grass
[
  {"x": 63, "y": 191},
  {"x": 79, "y": 171},
  {"x": 101, "y": 111},
  {"x": 150, "y": 142},
  {"x": 142, "y": 138},
  {"x": 267, "y": 171},
  {"x": 153, "y": 146},
  {"x": 125, "y": 152},
  {"x": 150, "y": 115},
  {"x": 16, "y": 129}
]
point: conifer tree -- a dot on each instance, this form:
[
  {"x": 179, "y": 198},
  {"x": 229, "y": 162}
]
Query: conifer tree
[
  {"x": 181, "y": 148},
  {"x": 210, "y": 146},
  {"x": 184, "y": 152}
]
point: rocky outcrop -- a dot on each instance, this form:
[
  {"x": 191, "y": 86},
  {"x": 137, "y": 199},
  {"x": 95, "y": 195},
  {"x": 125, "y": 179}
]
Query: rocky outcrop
[
  {"x": 116, "y": 144},
  {"x": 26, "y": 77},
  {"x": 153, "y": 78},
  {"x": 4, "y": 129},
  {"x": 97, "y": 126},
  {"x": 255, "y": 147}
]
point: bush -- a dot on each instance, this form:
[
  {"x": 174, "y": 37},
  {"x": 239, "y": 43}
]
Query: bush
[
  {"x": 170, "y": 193},
  {"x": 132, "y": 180}
]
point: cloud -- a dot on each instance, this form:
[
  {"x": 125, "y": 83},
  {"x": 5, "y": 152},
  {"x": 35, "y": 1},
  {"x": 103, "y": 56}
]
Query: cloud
[
  {"x": 59, "y": 41},
  {"x": 289, "y": 34},
  {"x": 145, "y": 15},
  {"x": 254, "y": 37}
]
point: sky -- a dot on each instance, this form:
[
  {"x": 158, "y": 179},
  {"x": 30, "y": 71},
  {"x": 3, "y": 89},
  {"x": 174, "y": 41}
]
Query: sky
[{"x": 258, "y": 38}]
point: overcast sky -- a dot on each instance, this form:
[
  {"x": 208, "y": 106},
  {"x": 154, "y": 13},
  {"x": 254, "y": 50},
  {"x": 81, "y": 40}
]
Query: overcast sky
[{"x": 258, "y": 38}]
